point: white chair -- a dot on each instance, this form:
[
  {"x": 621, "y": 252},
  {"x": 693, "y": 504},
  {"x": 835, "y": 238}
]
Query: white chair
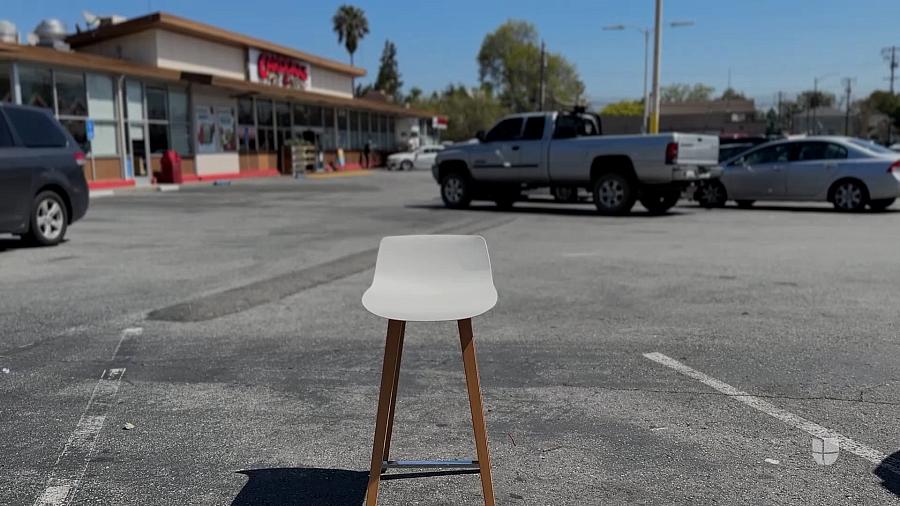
[{"x": 429, "y": 278}]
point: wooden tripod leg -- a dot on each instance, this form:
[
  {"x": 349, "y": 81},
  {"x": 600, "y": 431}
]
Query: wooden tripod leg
[
  {"x": 390, "y": 423},
  {"x": 473, "y": 385},
  {"x": 391, "y": 350}
]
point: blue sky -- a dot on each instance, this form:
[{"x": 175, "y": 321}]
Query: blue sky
[{"x": 769, "y": 45}]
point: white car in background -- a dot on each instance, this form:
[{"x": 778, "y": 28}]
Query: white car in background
[
  {"x": 420, "y": 158},
  {"x": 850, "y": 173}
]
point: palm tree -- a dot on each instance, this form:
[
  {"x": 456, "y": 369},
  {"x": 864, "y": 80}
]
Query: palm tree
[{"x": 350, "y": 25}]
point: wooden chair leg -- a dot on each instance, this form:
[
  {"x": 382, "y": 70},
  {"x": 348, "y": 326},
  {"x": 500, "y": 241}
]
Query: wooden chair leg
[
  {"x": 390, "y": 423},
  {"x": 391, "y": 352},
  {"x": 473, "y": 385}
]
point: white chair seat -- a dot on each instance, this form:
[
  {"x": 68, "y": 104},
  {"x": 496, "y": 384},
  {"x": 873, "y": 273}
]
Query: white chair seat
[{"x": 431, "y": 278}]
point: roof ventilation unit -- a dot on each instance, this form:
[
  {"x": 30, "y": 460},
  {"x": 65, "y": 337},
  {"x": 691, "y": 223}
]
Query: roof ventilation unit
[{"x": 51, "y": 33}]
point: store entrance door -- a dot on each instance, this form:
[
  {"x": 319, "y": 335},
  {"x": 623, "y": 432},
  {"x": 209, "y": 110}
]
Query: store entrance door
[{"x": 136, "y": 143}]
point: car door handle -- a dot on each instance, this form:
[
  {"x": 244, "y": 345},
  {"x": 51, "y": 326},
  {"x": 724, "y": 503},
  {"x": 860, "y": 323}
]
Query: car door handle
[{"x": 515, "y": 148}]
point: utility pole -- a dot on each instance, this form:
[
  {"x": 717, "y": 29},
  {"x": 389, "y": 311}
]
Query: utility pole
[
  {"x": 890, "y": 55},
  {"x": 543, "y": 66},
  {"x": 848, "y": 83},
  {"x": 657, "y": 43}
]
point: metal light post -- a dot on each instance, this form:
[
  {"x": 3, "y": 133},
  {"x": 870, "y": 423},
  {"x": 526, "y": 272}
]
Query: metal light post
[{"x": 646, "y": 33}]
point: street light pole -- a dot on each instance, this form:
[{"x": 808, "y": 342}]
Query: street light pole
[
  {"x": 657, "y": 42},
  {"x": 644, "y": 125}
]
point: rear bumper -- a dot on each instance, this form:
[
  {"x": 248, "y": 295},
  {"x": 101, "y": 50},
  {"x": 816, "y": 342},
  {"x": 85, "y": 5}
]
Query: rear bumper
[
  {"x": 695, "y": 173},
  {"x": 79, "y": 198}
]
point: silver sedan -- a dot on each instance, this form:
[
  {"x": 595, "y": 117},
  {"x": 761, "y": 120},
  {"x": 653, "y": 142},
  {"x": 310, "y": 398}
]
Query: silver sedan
[{"x": 849, "y": 173}]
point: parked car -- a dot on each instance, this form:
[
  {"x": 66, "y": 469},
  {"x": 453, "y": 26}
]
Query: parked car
[
  {"x": 895, "y": 147},
  {"x": 42, "y": 184},
  {"x": 567, "y": 150},
  {"x": 420, "y": 158},
  {"x": 731, "y": 145},
  {"x": 849, "y": 173}
]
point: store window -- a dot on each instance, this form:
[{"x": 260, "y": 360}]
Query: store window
[
  {"x": 301, "y": 115},
  {"x": 71, "y": 98},
  {"x": 315, "y": 116},
  {"x": 5, "y": 82},
  {"x": 390, "y": 141},
  {"x": 179, "y": 122},
  {"x": 157, "y": 117},
  {"x": 37, "y": 86},
  {"x": 265, "y": 126},
  {"x": 283, "y": 123},
  {"x": 343, "y": 137},
  {"x": 328, "y": 141},
  {"x": 246, "y": 125},
  {"x": 102, "y": 111}
]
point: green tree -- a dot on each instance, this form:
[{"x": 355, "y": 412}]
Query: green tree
[
  {"x": 351, "y": 26},
  {"x": 681, "y": 92},
  {"x": 415, "y": 96},
  {"x": 509, "y": 65},
  {"x": 813, "y": 99},
  {"x": 388, "y": 80},
  {"x": 624, "y": 108},
  {"x": 732, "y": 94},
  {"x": 467, "y": 109},
  {"x": 885, "y": 103}
]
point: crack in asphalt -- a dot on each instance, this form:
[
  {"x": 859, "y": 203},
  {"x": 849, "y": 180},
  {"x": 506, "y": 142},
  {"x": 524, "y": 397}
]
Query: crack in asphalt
[{"x": 257, "y": 293}]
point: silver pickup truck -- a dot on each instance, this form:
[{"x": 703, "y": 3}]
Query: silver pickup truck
[{"x": 566, "y": 152}]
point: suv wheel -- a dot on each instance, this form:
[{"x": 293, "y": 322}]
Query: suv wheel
[
  {"x": 613, "y": 194},
  {"x": 49, "y": 219},
  {"x": 455, "y": 190}
]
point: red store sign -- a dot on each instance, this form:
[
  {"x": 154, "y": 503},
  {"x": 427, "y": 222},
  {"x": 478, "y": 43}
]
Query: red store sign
[{"x": 278, "y": 70}]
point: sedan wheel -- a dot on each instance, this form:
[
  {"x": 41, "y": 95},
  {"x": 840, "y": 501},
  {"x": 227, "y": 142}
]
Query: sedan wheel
[
  {"x": 850, "y": 196},
  {"x": 406, "y": 165},
  {"x": 48, "y": 219},
  {"x": 711, "y": 194}
]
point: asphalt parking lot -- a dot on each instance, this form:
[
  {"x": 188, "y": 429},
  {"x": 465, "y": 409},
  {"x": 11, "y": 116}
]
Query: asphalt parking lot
[{"x": 208, "y": 346}]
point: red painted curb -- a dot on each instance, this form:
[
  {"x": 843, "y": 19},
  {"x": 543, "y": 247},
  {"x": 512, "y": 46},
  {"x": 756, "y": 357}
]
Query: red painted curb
[{"x": 110, "y": 184}]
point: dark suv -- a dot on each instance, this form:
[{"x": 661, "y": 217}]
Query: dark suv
[{"x": 42, "y": 185}]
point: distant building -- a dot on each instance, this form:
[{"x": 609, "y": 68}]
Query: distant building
[{"x": 710, "y": 117}]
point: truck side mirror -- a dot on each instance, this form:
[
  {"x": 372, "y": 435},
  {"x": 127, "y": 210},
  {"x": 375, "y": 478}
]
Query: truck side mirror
[{"x": 480, "y": 135}]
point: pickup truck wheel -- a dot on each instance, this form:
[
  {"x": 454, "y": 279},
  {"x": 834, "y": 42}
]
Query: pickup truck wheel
[
  {"x": 659, "y": 201},
  {"x": 711, "y": 194},
  {"x": 567, "y": 194},
  {"x": 456, "y": 190},
  {"x": 613, "y": 194}
]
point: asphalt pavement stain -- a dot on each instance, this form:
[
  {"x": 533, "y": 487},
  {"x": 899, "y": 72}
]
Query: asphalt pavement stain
[{"x": 279, "y": 287}]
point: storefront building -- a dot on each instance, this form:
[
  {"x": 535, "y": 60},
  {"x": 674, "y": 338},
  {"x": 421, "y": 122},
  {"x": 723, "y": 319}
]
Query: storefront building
[{"x": 227, "y": 103}]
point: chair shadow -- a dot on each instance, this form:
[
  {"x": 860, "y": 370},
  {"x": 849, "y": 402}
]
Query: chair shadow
[
  {"x": 889, "y": 472},
  {"x": 310, "y": 485},
  {"x": 283, "y": 486}
]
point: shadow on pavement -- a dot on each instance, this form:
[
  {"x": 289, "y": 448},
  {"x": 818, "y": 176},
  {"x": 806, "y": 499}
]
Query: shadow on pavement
[
  {"x": 889, "y": 472},
  {"x": 557, "y": 209},
  {"x": 324, "y": 487},
  {"x": 797, "y": 209},
  {"x": 9, "y": 243}
]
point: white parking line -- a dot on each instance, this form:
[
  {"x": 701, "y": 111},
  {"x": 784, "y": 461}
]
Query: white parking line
[
  {"x": 872, "y": 455},
  {"x": 75, "y": 457},
  {"x": 69, "y": 469}
]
